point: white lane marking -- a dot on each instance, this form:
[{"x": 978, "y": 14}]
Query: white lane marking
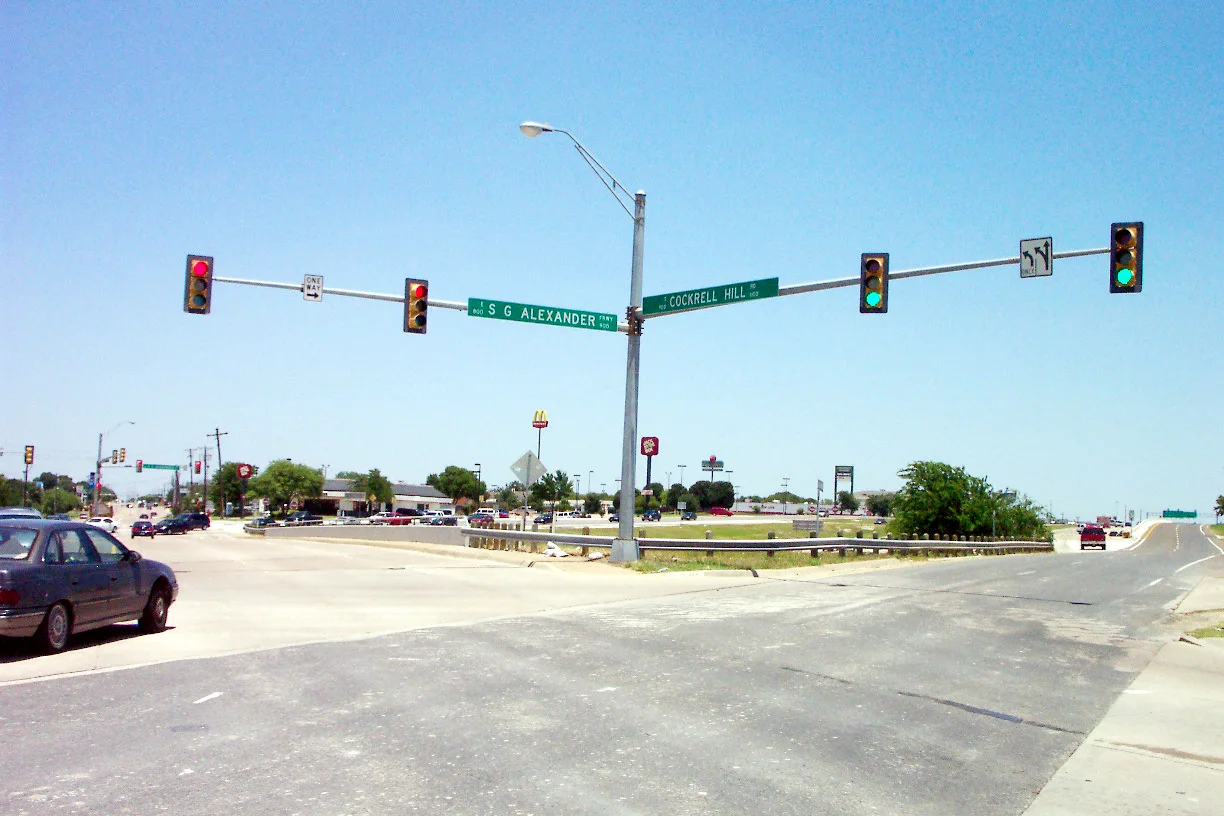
[
  {"x": 1030, "y": 572},
  {"x": 207, "y": 697},
  {"x": 1192, "y": 563},
  {"x": 1154, "y": 583},
  {"x": 1209, "y": 539}
]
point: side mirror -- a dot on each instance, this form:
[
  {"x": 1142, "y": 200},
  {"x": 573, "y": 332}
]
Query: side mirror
[{"x": 132, "y": 556}]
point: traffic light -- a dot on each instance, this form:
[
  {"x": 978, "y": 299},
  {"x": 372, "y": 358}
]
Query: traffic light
[
  {"x": 139, "y": 465},
  {"x": 873, "y": 283},
  {"x": 416, "y": 303},
  {"x": 197, "y": 294},
  {"x": 29, "y": 455},
  {"x": 1126, "y": 258},
  {"x": 123, "y": 454},
  {"x": 197, "y": 467},
  {"x": 114, "y": 457}
]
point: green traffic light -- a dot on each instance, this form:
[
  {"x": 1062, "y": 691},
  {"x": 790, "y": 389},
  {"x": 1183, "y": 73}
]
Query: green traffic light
[
  {"x": 1125, "y": 276},
  {"x": 873, "y": 299}
]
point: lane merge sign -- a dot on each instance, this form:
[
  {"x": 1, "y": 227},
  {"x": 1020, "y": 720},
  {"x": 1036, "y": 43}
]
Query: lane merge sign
[
  {"x": 710, "y": 296},
  {"x": 548, "y": 315}
]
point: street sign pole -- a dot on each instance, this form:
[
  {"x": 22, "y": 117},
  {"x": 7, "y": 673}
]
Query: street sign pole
[{"x": 625, "y": 546}]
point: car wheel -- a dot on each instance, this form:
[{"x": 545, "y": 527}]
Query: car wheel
[
  {"x": 56, "y": 628},
  {"x": 155, "y": 612}
]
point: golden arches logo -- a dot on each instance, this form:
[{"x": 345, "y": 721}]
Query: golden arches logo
[{"x": 540, "y": 420}]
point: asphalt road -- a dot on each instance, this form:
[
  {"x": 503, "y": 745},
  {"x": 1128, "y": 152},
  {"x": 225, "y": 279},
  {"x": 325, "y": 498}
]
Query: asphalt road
[{"x": 951, "y": 687}]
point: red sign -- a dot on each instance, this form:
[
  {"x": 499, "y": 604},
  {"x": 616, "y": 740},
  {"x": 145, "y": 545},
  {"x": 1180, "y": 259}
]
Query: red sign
[
  {"x": 650, "y": 446},
  {"x": 713, "y": 458},
  {"x": 540, "y": 420},
  {"x": 244, "y": 471}
]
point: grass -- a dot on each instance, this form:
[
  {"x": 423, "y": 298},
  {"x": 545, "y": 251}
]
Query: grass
[
  {"x": 1216, "y": 631},
  {"x": 659, "y": 561},
  {"x": 1218, "y": 529}
]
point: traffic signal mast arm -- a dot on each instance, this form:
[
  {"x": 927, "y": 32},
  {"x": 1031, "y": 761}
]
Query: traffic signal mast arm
[
  {"x": 458, "y": 306},
  {"x": 838, "y": 283}
]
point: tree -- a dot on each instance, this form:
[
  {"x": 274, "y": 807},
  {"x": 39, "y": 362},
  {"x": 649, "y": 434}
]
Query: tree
[
  {"x": 847, "y": 502},
  {"x": 374, "y": 484},
  {"x": 552, "y": 488},
  {"x": 788, "y": 497},
  {"x": 59, "y": 501},
  {"x": 879, "y": 504},
  {"x": 283, "y": 481},
  {"x": 657, "y": 497},
  {"x": 457, "y": 483},
  {"x": 48, "y": 479},
  {"x": 943, "y": 500},
  {"x": 348, "y": 474},
  {"x": 592, "y": 505},
  {"x": 674, "y": 493},
  {"x": 225, "y": 487},
  {"x": 508, "y": 495},
  {"x": 1219, "y": 508}
]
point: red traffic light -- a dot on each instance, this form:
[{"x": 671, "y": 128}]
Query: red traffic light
[
  {"x": 416, "y": 304},
  {"x": 139, "y": 465},
  {"x": 197, "y": 293}
]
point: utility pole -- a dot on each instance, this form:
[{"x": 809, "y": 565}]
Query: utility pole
[
  {"x": 217, "y": 434},
  {"x": 206, "y": 480}
]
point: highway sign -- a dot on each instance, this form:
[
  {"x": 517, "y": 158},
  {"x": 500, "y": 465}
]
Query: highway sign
[
  {"x": 710, "y": 296},
  {"x": 312, "y": 288},
  {"x": 549, "y": 315},
  {"x": 1036, "y": 257},
  {"x": 1180, "y": 514},
  {"x": 160, "y": 467}
]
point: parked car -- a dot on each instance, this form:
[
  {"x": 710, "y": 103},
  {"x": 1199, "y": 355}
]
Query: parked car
[
  {"x": 409, "y": 515},
  {"x": 173, "y": 525},
  {"x": 481, "y": 520},
  {"x": 688, "y": 515},
  {"x": 448, "y": 521},
  {"x": 263, "y": 521},
  {"x": 50, "y": 591},
  {"x": 543, "y": 518},
  {"x": 105, "y": 522},
  {"x": 143, "y": 528},
  {"x": 301, "y": 518},
  {"x": 381, "y": 517},
  {"x": 721, "y": 511},
  {"x": 651, "y": 515}
]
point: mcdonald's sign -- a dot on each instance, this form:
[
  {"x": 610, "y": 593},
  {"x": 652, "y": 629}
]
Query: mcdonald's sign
[{"x": 540, "y": 420}]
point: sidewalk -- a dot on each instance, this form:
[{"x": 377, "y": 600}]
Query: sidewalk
[{"x": 1160, "y": 748}]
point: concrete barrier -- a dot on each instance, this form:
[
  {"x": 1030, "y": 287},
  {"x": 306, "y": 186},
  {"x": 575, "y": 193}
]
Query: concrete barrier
[{"x": 427, "y": 534}]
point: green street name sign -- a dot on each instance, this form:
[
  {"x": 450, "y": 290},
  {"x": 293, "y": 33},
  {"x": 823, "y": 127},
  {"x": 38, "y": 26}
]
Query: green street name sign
[
  {"x": 710, "y": 296},
  {"x": 1180, "y": 514},
  {"x": 160, "y": 467},
  {"x": 549, "y": 315}
]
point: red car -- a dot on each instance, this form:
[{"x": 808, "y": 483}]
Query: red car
[{"x": 721, "y": 511}]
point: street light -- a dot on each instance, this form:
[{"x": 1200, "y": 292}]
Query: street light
[
  {"x": 98, "y": 471},
  {"x": 624, "y": 546}
]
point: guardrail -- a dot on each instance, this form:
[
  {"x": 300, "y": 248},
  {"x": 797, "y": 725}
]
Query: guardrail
[{"x": 515, "y": 540}]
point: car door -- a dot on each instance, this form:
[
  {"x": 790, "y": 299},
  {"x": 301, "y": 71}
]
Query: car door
[
  {"x": 79, "y": 575},
  {"x": 123, "y": 601}
]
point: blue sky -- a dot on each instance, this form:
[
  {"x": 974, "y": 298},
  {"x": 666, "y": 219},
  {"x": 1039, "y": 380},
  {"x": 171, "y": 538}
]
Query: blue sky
[{"x": 380, "y": 142}]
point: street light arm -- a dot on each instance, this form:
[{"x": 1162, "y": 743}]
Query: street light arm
[{"x": 533, "y": 129}]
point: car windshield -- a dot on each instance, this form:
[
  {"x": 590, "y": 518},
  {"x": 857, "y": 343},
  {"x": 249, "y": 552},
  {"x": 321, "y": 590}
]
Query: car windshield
[{"x": 15, "y": 544}]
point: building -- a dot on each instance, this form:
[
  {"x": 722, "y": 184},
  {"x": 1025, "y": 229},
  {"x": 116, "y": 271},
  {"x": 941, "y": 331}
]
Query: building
[{"x": 340, "y": 498}]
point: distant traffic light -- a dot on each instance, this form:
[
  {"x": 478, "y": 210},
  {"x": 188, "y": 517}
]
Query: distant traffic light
[
  {"x": 139, "y": 465},
  {"x": 873, "y": 283},
  {"x": 29, "y": 454},
  {"x": 114, "y": 457},
  {"x": 1126, "y": 258},
  {"x": 123, "y": 454},
  {"x": 416, "y": 304},
  {"x": 197, "y": 467},
  {"x": 197, "y": 294}
]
